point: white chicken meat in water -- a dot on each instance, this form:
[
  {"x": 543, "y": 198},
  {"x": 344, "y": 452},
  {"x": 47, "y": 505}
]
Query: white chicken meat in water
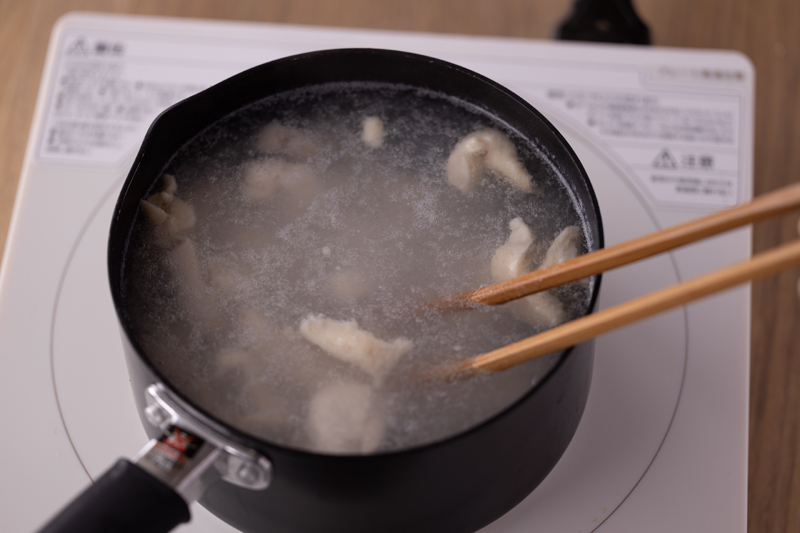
[
  {"x": 276, "y": 138},
  {"x": 345, "y": 418},
  {"x": 486, "y": 150},
  {"x": 513, "y": 259},
  {"x": 344, "y": 340},
  {"x": 170, "y": 216},
  {"x": 564, "y": 247},
  {"x": 265, "y": 178},
  {"x": 372, "y": 132}
]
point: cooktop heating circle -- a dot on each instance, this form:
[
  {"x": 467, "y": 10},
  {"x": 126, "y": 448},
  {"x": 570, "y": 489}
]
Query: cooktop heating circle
[{"x": 634, "y": 395}]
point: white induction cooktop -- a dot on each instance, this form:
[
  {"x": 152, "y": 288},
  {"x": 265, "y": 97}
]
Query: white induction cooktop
[{"x": 666, "y": 135}]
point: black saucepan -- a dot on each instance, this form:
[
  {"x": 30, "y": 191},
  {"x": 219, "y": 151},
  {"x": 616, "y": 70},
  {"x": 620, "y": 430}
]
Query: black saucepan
[{"x": 456, "y": 485}]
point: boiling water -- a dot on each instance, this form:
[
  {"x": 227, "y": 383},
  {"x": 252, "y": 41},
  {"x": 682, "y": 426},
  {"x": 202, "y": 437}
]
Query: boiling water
[{"x": 355, "y": 232}]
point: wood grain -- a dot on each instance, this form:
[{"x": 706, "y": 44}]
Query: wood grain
[{"x": 768, "y": 31}]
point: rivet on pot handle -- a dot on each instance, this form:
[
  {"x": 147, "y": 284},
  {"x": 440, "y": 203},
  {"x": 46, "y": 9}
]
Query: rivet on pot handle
[{"x": 152, "y": 494}]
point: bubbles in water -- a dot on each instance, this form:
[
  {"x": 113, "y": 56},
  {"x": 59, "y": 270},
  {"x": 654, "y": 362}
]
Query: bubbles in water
[{"x": 297, "y": 215}]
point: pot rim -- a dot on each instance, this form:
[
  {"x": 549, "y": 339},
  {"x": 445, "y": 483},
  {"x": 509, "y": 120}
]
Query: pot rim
[{"x": 255, "y": 442}]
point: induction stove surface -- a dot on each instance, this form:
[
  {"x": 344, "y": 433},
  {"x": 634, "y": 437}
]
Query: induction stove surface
[{"x": 665, "y": 136}]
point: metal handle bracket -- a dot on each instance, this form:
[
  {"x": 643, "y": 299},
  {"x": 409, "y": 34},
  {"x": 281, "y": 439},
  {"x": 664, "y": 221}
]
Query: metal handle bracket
[{"x": 183, "y": 456}]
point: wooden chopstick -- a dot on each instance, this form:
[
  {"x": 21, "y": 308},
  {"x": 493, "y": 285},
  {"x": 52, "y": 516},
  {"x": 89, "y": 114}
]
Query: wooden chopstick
[
  {"x": 604, "y": 321},
  {"x": 765, "y": 206}
]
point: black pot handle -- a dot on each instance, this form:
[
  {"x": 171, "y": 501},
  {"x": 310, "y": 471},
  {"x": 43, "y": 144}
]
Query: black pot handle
[
  {"x": 126, "y": 499},
  {"x": 152, "y": 494}
]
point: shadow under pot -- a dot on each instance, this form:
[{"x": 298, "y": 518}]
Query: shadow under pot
[{"x": 268, "y": 256}]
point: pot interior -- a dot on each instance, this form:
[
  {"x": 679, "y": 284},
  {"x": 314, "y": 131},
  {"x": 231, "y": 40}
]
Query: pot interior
[{"x": 291, "y": 240}]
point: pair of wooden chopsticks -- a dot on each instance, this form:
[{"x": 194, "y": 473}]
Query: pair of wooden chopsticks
[{"x": 576, "y": 331}]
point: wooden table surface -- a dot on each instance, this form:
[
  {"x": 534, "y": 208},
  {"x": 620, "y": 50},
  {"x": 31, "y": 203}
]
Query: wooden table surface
[{"x": 767, "y": 31}]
